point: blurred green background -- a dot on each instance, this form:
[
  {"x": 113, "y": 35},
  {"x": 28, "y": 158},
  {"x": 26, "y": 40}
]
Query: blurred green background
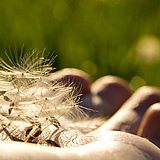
[{"x": 118, "y": 37}]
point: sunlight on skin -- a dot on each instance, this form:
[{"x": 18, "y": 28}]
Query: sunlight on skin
[
  {"x": 112, "y": 146},
  {"x": 108, "y": 145},
  {"x": 149, "y": 127},
  {"x": 129, "y": 116}
]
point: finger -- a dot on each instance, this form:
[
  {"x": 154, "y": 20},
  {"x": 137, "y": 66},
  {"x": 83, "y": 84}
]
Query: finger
[
  {"x": 113, "y": 145},
  {"x": 108, "y": 93},
  {"x": 129, "y": 116},
  {"x": 76, "y": 78},
  {"x": 149, "y": 126}
]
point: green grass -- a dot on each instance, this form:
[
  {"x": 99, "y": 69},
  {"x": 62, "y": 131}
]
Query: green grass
[{"x": 98, "y": 36}]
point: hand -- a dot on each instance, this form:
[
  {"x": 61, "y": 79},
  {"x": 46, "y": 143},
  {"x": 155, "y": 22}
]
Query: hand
[{"x": 136, "y": 115}]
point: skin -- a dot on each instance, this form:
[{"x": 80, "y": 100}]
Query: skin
[
  {"x": 93, "y": 95},
  {"x": 149, "y": 127},
  {"x": 107, "y": 94},
  {"x": 109, "y": 144},
  {"x": 80, "y": 80},
  {"x": 129, "y": 116},
  {"x": 112, "y": 146}
]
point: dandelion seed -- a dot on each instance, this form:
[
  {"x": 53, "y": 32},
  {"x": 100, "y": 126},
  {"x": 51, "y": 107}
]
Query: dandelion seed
[
  {"x": 34, "y": 132},
  {"x": 54, "y": 122},
  {"x": 7, "y": 99},
  {"x": 36, "y": 107},
  {"x": 11, "y": 107},
  {"x": 2, "y": 93}
]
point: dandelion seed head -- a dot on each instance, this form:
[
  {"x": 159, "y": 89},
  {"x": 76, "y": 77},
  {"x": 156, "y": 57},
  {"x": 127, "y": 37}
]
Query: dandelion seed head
[{"x": 29, "y": 99}]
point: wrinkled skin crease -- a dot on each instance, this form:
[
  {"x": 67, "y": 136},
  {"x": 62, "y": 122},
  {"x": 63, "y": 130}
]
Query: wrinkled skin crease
[
  {"x": 108, "y": 145},
  {"x": 112, "y": 145}
]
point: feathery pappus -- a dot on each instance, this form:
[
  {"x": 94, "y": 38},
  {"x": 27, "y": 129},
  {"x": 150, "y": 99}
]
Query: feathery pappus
[{"x": 34, "y": 109}]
